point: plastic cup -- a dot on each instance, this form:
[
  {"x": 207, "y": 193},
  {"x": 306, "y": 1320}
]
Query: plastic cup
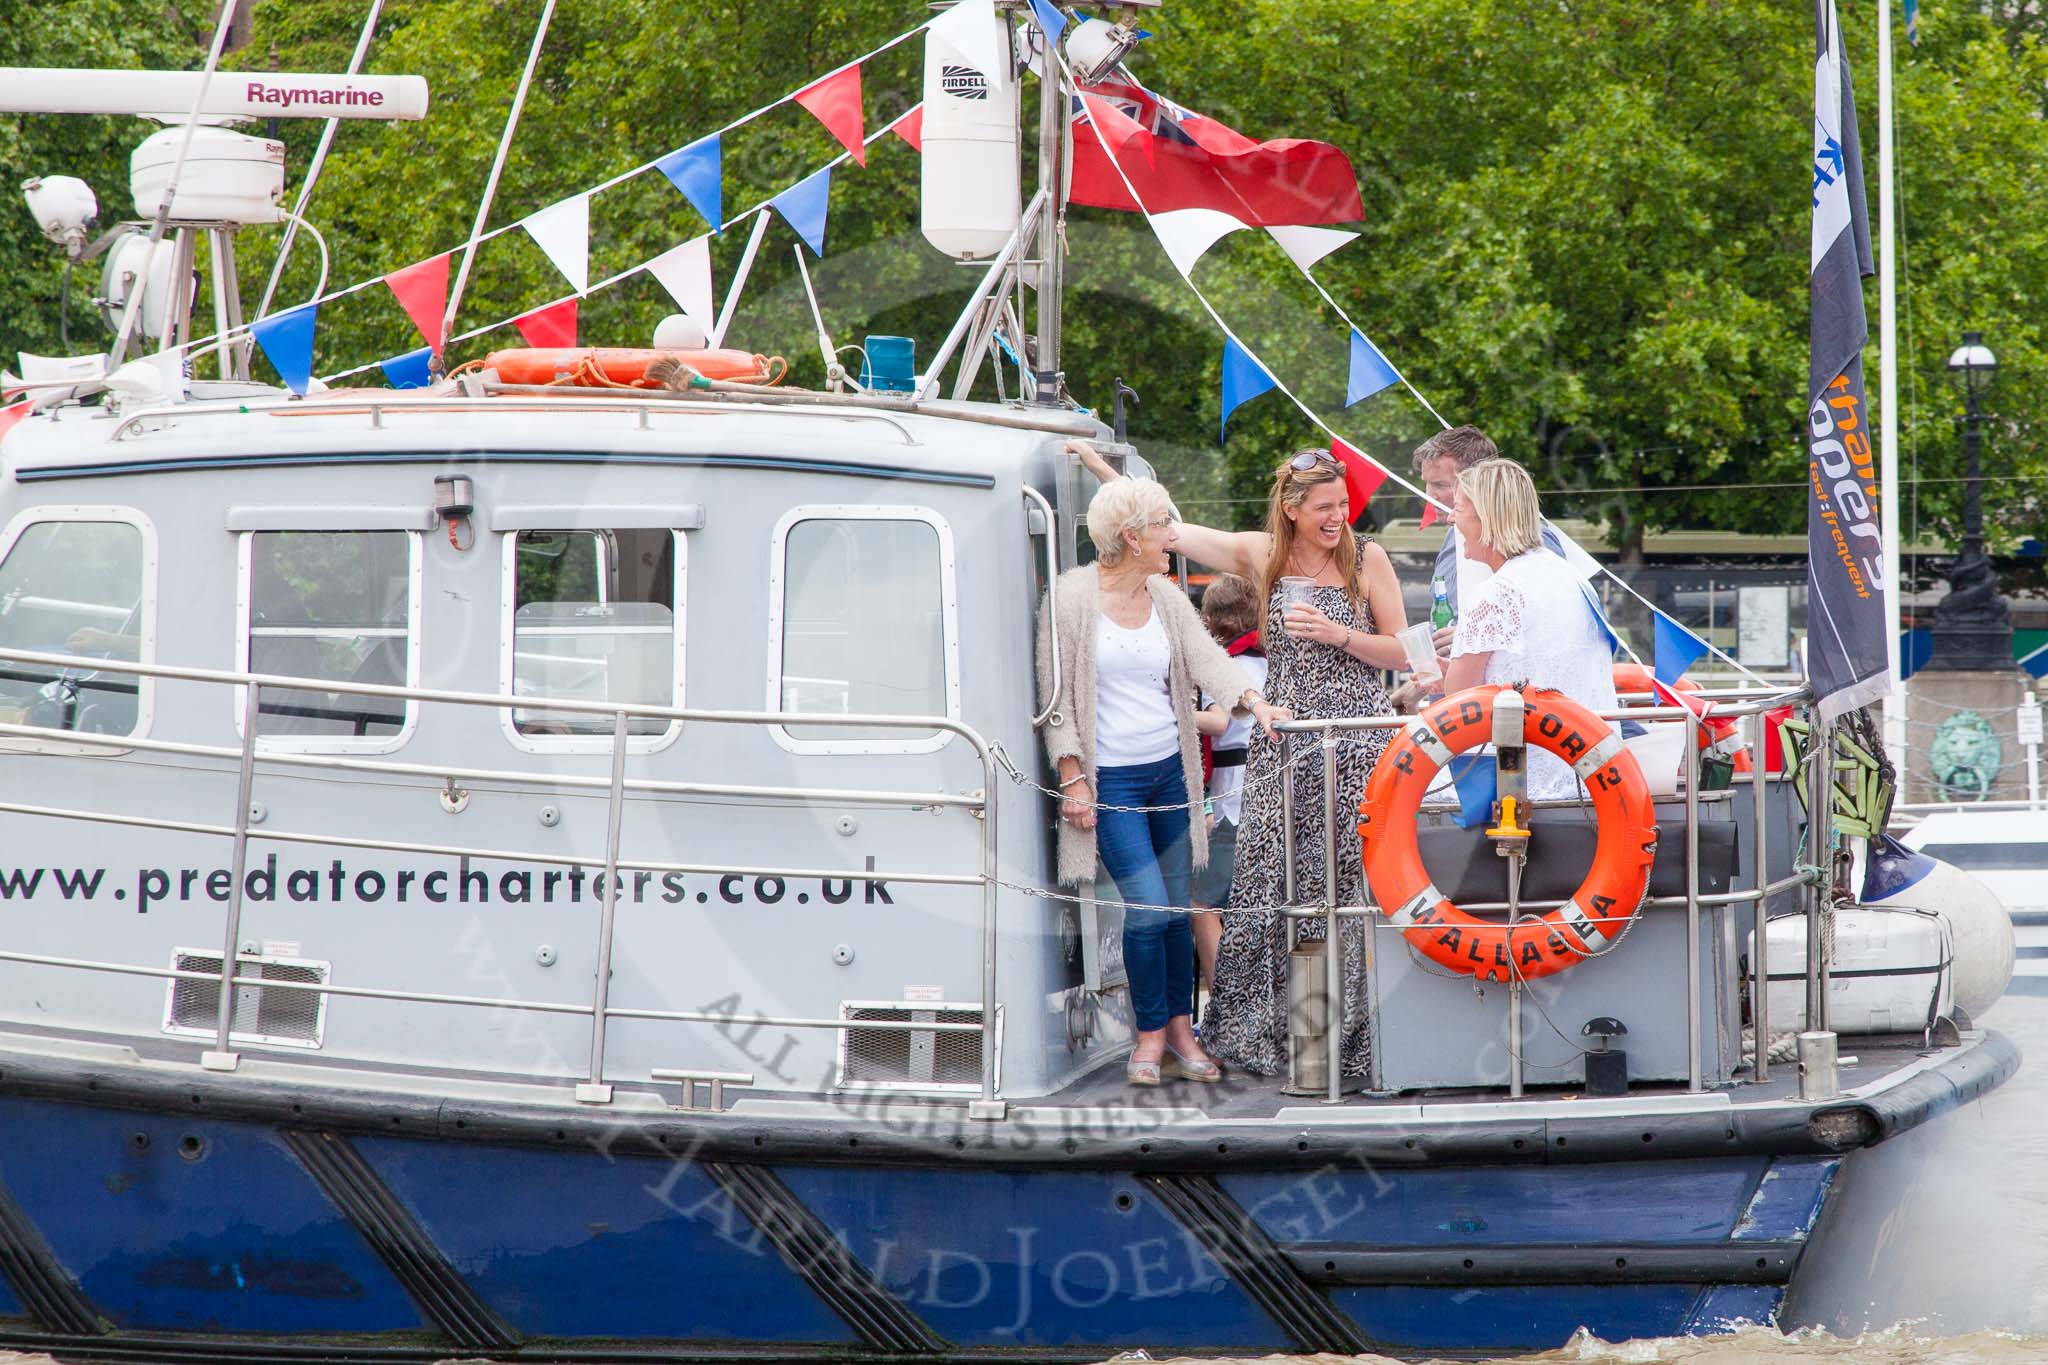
[
  {"x": 1418, "y": 643},
  {"x": 1294, "y": 592}
]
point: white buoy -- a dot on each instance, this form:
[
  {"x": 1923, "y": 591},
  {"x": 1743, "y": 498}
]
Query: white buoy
[
  {"x": 970, "y": 180},
  {"x": 1978, "y": 920}
]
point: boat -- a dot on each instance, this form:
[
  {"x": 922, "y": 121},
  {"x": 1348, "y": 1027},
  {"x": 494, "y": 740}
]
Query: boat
[
  {"x": 563, "y": 872},
  {"x": 2006, "y": 851}
]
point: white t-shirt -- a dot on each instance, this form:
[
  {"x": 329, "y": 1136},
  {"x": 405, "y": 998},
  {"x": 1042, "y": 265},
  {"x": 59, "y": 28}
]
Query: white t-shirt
[
  {"x": 1133, "y": 710},
  {"x": 1226, "y": 785},
  {"x": 1532, "y": 617}
]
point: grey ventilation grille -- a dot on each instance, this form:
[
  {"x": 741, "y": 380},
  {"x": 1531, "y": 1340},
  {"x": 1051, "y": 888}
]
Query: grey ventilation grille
[
  {"x": 911, "y": 1059},
  {"x": 263, "y": 1014}
]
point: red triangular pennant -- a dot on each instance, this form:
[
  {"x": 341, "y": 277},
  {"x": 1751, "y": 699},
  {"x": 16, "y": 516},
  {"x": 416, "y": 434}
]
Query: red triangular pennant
[
  {"x": 1671, "y": 696},
  {"x": 911, "y": 128},
  {"x": 10, "y": 416},
  {"x": 1362, "y": 477},
  {"x": 554, "y": 325},
  {"x": 1429, "y": 514},
  {"x": 422, "y": 290},
  {"x": 835, "y": 102}
]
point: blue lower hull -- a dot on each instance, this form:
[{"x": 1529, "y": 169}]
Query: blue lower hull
[{"x": 133, "y": 1227}]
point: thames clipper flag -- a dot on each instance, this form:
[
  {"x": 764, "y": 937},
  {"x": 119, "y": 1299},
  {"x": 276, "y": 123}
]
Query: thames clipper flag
[{"x": 1845, "y": 585}]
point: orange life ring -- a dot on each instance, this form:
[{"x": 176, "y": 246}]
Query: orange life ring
[
  {"x": 1613, "y": 889},
  {"x": 625, "y": 367},
  {"x": 1714, "y": 730}
]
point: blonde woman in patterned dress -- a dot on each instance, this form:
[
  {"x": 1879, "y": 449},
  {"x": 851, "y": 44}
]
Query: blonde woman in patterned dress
[{"x": 1323, "y": 661}]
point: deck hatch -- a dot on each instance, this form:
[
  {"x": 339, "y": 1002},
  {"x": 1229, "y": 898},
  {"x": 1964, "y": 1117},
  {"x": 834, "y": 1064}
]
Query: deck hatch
[
  {"x": 275, "y": 1015},
  {"x": 911, "y": 1058}
]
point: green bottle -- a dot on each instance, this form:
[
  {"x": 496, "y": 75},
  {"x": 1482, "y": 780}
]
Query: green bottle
[{"x": 1440, "y": 612}]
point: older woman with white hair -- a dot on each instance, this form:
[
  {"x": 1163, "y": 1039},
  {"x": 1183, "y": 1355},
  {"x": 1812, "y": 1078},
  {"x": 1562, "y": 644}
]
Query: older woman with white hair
[
  {"x": 1133, "y": 654},
  {"x": 1534, "y": 620}
]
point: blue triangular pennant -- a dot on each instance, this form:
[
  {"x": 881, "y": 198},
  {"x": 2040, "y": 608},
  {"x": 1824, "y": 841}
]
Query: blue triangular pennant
[
  {"x": 1244, "y": 379},
  {"x": 1370, "y": 371},
  {"x": 1600, "y": 616},
  {"x": 697, "y": 171},
  {"x": 1050, "y": 19},
  {"x": 803, "y": 206},
  {"x": 1677, "y": 648},
  {"x": 413, "y": 370},
  {"x": 287, "y": 342}
]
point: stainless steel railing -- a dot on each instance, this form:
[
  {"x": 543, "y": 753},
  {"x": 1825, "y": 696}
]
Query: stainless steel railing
[
  {"x": 1733, "y": 703},
  {"x": 594, "y": 1087}
]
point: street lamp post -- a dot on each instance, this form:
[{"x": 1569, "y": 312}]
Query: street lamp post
[{"x": 1972, "y": 624}]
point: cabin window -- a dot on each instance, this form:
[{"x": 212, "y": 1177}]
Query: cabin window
[
  {"x": 75, "y": 585},
  {"x": 336, "y": 606},
  {"x": 593, "y": 618},
  {"x": 862, "y": 623}
]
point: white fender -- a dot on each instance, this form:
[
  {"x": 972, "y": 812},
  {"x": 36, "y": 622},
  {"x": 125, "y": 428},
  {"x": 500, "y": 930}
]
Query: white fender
[{"x": 1978, "y": 920}]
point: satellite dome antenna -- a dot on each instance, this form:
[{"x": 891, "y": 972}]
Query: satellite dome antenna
[{"x": 195, "y": 178}]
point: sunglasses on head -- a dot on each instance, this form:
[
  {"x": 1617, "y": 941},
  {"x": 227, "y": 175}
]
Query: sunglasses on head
[{"x": 1309, "y": 459}]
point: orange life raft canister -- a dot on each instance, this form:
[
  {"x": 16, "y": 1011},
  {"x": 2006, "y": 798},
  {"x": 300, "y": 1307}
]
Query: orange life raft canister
[
  {"x": 1537, "y": 945},
  {"x": 625, "y": 367}
]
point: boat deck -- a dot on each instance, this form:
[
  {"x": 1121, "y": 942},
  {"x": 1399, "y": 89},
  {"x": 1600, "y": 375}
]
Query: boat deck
[
  {"x": 1892, "y": 1084},
  {"x": 1866, "y": 1061}
]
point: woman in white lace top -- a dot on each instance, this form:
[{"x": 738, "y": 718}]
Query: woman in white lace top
[{"x": 1533, "y": 620}]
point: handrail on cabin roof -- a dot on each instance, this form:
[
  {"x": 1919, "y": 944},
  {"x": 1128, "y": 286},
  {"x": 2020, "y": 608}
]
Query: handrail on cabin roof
[{"x": 491, "y": 396}]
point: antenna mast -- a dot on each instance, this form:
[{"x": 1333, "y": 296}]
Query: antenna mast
[{"x": 1055, "y": 145}]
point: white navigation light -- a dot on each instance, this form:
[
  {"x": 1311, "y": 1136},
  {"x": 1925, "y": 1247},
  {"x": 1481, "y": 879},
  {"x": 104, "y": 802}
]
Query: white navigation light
[
  {"x": 1096, "y": 46},
  {"x": 169, "y": 95},
  {"x": 64, "y": 208},
  {"x": 228, "y": 177}
]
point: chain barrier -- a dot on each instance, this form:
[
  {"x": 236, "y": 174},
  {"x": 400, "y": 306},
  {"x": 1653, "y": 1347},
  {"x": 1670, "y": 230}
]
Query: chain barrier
[
  {"x": 1980, "y": 710},
  {"x": 1251, "y": 783},
  {"x": 1051, "y": 894}
]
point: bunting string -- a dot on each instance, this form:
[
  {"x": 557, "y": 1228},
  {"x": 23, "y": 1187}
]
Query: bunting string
[
  {"x": 1268, "y": 379},
  {"x": 1273, "y": 381},
  {"x": 1296, "y": 243},
  {"x": 869, "y": 139},
  {"x": 621, "y": 178}
]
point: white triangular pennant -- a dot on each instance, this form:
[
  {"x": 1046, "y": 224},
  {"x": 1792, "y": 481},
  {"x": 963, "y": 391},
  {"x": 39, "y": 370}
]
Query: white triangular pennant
[
  {"x": 563, "y": 232},
  {"x": 685, "y": 271},
  {"x": 1307, "y": 245},
  {"x": 1187, "y": 233},
  {"x": 972, "y": 29}
]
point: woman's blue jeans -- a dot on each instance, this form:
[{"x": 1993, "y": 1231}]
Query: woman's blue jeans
[{"x": 1147, "y": 855}]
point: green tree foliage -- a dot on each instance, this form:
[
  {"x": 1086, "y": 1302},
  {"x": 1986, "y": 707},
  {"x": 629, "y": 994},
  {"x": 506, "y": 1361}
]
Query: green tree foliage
[{"x": 1585, "y": 221}]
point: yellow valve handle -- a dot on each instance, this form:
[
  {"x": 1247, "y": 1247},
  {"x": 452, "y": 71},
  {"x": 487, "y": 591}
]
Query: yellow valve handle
[{"x": 1507, "y": 828}]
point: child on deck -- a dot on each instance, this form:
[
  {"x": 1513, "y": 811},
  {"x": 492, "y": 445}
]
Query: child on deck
[{"x": 1230, "y": 610}]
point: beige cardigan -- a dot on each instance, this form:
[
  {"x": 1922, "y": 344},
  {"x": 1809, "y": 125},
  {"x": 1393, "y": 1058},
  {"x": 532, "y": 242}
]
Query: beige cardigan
[{"x": 1197, "y": 661}]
